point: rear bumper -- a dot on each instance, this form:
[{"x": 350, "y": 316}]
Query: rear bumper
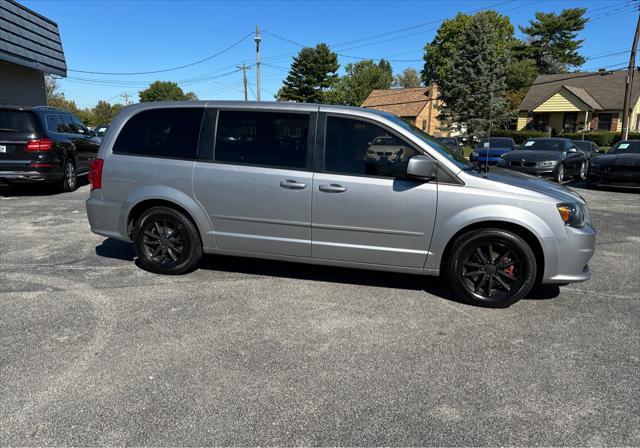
[
  {"x": 105, "y": 218},
  {"x": 30, "y": 176},
  {"x": 567, "y": 259}
]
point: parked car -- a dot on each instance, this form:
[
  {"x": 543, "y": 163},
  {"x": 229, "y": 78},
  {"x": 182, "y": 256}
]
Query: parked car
[
  {"x": 100, "y": 131},
  {"x": 619, "y": 167},
  {"x": 590, "y": 149},
  {"x": 453, "y": 143},
  {"x": 44, "y": 144},
  {"x": 558, "y": 158},
  {"x": 489, "y": 150},
  {"x": 296, "y": 185}
]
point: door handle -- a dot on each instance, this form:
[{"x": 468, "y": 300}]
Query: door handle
[
  {"x": 332, "y": 188},
  {"x": 292, "y": 184}
]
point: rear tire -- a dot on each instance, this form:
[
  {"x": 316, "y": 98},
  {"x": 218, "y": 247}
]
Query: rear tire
[
  {"x": 70, "y": 180},
  {"x": 492, "y": 268},
  {"x": 166, "y": 241},
  {"x": 584, "y": 166}
]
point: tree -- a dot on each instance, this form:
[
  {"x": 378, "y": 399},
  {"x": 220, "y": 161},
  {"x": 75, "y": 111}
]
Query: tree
[
  {"x": 408, "y": 78},
  {"x": 359, "y": 80},
  {"x": 440, "y": 52},
  {"x": 164, "y": 91},
  {"x": 312, "y": 73},
  {"x": 104, "y": 113},
  {"x": 473, "y": 92},
  {"x": 552, "y": 42},
  {"x": 520, "y": 76}
]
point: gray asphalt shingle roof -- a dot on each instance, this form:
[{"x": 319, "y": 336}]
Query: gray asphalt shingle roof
[
  {"x": 594, "y": 89},
  {"x": 29, "y": 39}
]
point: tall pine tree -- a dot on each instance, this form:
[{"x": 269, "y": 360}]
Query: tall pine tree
[
  {"x": 359, "y": 80},
  {"x": 312, "y": 72},
  {"x": 474, "y": 90}
]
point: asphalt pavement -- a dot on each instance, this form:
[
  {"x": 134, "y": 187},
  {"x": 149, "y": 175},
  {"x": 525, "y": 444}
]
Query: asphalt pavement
[{"x": 95, "y": 351}]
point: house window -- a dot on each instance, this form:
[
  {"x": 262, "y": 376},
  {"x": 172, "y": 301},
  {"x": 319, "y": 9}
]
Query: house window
[
  {"x": 638, "y": 123},
  {"x": 604, "y": 122},
  {"x": 424, "y": 125},
  {"x": 569, "y": 121}
]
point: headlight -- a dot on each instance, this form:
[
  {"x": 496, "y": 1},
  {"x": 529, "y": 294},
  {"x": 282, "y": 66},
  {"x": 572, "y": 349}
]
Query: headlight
[
  {"x": 572, "y": 214},
  {"x": 548, "y": 163}
]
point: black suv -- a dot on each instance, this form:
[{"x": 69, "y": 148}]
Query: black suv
[{"x": 44, "y": 144}]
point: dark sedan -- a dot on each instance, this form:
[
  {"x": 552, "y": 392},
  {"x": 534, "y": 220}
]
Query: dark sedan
[
  {"x": 590, "y": 149},
  {"x": 620, "y": 167},
  {"x": 452, "y": 143},
  {"x": 489, "y": 150},
  {"x": 558, "y": 158}
]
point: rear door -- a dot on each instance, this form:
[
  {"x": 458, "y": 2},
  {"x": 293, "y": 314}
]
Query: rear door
[
  {"x": 256, "y": 183},
  {"x": 365, "y": 210},
  {"x": 17, "y": 127}
]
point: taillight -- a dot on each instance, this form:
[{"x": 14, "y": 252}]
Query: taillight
[
  {"x": 95, "y": 173},
  {"x": 39, "y": 144}
]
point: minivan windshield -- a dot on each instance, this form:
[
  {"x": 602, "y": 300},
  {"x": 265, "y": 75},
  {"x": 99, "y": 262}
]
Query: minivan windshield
[
  {"x": 544, "y": 145},
  {"x": 443, "y": 149},
  {"x": 17, "y": 121}
]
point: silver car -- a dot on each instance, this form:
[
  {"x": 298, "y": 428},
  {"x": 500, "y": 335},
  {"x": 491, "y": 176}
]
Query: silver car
[{"x": 293, "y": 182}]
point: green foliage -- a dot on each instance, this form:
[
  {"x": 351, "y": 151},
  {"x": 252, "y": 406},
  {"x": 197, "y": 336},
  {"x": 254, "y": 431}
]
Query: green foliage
[
  {"x": 474, "y": 89},
  {"x": 600, "y": 138},
  {"x": 104, "y": 113},
  {"x": 552, "y": 42},
  {"x": 164, "y": 91},
  {"x": 407, "y": 79},
  {"x": 312, "y": 73},
  {"x": 520, "y": 75},
  {"x": 360, "y": 79},
  {"x": 440, "y": 53},
  {"x": 518, "y": 136}
]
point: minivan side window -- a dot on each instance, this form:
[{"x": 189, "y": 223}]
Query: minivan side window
[
  {"x": 358, "y": 147},
  {"x": 170, "y": 132},
  {"x": 272, "y": 139}
]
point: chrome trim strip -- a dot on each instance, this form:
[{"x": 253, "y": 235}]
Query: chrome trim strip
[
  {"x": 366, "y": 229},
  {"x": 262, "y": 220},
  {"x": 261, "y": 237},
  {"x": 369, "y": 247}
]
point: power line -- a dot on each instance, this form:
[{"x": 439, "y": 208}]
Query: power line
[{"x": 166, "y": 69}]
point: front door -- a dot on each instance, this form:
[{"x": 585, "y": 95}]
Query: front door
[
  {"x": 364, "y": 209},
  {"x": 257, "y": 188}
]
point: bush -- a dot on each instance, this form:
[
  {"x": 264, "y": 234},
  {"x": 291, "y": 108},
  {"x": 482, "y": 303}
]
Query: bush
[
  {"x": 600, "y": 138},
  {"x": 518, "y": 136}
]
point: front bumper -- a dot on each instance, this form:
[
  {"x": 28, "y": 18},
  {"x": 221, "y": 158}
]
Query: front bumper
[
  {"x": 481, "y": 160},
  {"x": 533, "y": 170},
  {"x": 566, "y": 259},
  {"x": 613, "y": 179}
]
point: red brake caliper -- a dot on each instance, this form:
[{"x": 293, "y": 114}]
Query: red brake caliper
[{"x": 509, "y": 270}]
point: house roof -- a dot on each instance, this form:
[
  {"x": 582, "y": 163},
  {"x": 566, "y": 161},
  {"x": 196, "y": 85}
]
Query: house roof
[
  {"x": 29, "y": 39},
  {"x": 401, "y": 102},
  {"x": 594, "y": 89}
]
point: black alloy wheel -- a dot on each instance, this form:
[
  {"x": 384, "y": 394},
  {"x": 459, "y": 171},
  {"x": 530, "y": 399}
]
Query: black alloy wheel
[
  {"x": 584, "y": 166},
  {"x": 166, "y": 241},
  {"x": 491, "y": 267}
]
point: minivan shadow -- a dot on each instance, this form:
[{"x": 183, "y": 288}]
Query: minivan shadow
[{"x": 120, "y": 250}]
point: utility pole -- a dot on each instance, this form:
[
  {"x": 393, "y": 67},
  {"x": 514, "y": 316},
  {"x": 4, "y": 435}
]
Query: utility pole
[
  {"x": 629, "y": 84},
  {"x": 244, "y": 79},
  {"x": 257, "y": 39},
  {"x": 125, "y": 95}
]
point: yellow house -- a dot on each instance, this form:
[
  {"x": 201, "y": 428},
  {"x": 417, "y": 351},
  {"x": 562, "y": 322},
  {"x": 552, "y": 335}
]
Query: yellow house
[{"x": 571, "y": 102}]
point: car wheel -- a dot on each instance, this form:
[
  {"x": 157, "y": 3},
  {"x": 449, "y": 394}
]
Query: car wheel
[
  {"x": 559, "y": 174},
  {"x": 166, "y": 241},
  {"x": 582, "y": 174},
  {"x": 492, "y": 268},
  {"x": 70, "y": 180}
]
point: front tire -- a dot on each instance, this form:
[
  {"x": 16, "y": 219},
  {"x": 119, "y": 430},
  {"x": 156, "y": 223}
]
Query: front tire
[
  {"x": 492, "y": 268},
  {"x": 166, "y": 241},
  {"x": 559, "y": 174},
  {"x": 584, "y": 166}
]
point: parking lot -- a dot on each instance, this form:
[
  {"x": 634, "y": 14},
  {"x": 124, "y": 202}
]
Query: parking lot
[{"x": 93, "y": 350}]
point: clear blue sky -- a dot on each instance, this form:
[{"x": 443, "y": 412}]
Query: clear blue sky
[{"x": 140, "y": 36}]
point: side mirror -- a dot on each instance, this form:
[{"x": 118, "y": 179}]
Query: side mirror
[
  {"x": 518, "y": 147},
  {"x": 422, "y": 168},
  {"x": 572, "y": 150},
  {"x": 92, "y": 133}
]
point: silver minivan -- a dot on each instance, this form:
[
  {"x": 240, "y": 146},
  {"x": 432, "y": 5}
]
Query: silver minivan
[{"x": 299, "y": 182}]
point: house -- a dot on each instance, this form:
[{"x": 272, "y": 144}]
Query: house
[
  {"x": 569, "y": 102},
  {"x": 416, "y": 104},
  {"x": 30, "y": 47}
]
